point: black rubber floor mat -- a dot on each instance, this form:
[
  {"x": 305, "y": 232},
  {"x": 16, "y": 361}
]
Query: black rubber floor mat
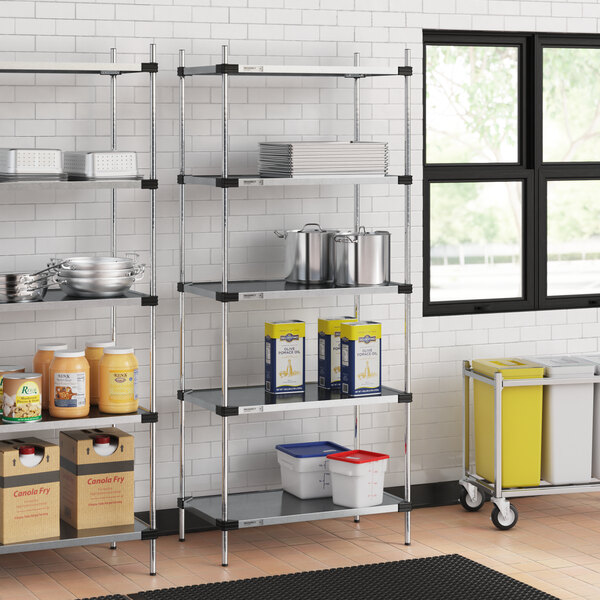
[
  {"x": 450, "y": 577},
  {"x": 114, "y": 597}
]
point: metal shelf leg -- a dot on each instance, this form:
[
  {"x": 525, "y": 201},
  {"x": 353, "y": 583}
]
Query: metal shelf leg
[
  {"x": 182, "y": 297},
  {"x": 407, "y": 299},
  {"x": 113, "y": 197},
  {"x": 356, "y": 228},
  {"x": 153, "y": 310},
  {"x": 225, "y": 314}
]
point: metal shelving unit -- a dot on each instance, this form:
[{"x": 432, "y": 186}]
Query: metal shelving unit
[
  {"x": 254, "y": 399},
  {"x": 232, "y": 511},
  {"x": 279, "y": 289},
  {"x": 258, "y": 181},
  {"x": 56, "y": 299},
  {"x": 69, "y": 536},
  {"x": 475, "y": 489}
]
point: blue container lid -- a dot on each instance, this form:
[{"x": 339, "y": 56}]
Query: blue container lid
[{"x": 310, "y": 449}]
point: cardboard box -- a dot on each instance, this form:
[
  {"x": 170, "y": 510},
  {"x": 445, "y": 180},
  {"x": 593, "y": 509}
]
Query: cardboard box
[
  {"x": 95, "y": 490},
  {"x": 361, "y": 358},
  {"x": 330, "y": 338},
  {"x": 284, "y": 357},
  {"x": 29, "y": 496}
]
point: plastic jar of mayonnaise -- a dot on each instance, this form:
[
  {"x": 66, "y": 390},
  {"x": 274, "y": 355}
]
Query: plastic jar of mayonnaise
[
  {"x": 118, "y": 381},
  {"x": 69, "y": 385},
  {"x": 94, "y": 351},
  {"x": 41, "y": 364}
]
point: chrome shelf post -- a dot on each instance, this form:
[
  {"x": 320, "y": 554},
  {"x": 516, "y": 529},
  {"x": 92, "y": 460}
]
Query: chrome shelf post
[{"x": 408, "y": 297}]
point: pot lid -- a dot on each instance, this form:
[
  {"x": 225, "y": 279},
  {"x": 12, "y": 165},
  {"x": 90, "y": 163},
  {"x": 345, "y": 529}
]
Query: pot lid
[{"x": 362, "y": 231}]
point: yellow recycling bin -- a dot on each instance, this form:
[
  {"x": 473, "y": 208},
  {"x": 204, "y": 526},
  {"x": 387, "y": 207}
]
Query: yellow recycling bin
[{"x": 521, "y": 422}]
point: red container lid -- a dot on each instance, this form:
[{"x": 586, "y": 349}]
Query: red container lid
[
  {"x": 358, "y": 457},
  {"x": 102, "y": 439},
  {"x": 26, "y": 450}
]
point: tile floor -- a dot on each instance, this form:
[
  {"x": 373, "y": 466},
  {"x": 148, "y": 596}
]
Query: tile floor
[{"x": 554, "y": 547}]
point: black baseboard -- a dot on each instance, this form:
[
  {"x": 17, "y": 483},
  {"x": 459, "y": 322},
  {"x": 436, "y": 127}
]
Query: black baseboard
[
  {"x": 426, "y": 495},
  {"x": 443, "y": 493}
]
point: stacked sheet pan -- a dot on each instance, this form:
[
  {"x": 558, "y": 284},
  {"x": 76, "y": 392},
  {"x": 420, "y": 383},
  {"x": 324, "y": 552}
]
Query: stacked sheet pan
[{"x": 311, "y": 159}]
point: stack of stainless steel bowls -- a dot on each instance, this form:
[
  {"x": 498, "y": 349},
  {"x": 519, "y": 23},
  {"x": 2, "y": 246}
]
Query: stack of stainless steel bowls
[
  {"x": 98, "y": 276},
  {"x": 23, "y": 287}
]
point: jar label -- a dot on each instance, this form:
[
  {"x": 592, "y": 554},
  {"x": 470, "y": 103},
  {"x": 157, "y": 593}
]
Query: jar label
[
  {"x": 25, "y": 405},
  {"x": 69, "y": 390},
  {"x": 122, "y": 385}
]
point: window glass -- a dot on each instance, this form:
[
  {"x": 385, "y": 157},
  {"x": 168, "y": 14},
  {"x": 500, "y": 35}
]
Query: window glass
[
  {"x": 472, "y": 104},
  {"x": 573, "y": 237},
  {"x": 571, "y": 112},
  {"x": 476, "y": 240}
]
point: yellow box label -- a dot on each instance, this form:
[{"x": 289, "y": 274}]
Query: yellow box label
[
  {"x": 279, "y": 329},
  {"x": 333, "y": 326},
  {"x": 354, "y": 331}
]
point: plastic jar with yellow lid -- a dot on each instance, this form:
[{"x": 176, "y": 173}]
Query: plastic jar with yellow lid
[
  {"x": 69, "y": 385},
  {"x": 94, "y": 351},
  {"x": 118, "y": 381},
  {"x": 41, "y": 364}
]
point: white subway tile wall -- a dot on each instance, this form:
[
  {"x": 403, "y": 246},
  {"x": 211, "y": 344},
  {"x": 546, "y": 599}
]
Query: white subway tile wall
[{"x": 72, "y": 112}]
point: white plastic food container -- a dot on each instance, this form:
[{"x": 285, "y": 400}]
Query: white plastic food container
[
  {"x": 595, "y": 359},
  {"x": 567, "y": 421},
  {"x": 304, "y": 468},
  {"x": 357, "y": 477}
]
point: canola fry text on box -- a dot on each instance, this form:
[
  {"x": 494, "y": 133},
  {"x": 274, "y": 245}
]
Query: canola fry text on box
[
  {"x": 96, "y": 490},
  {"x": 29, "y": 494}
]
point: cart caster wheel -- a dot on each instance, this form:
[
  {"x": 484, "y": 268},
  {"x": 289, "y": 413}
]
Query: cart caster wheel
[
  {"x": 467, "y": 503},
  {"x": 500, "y": 522}
]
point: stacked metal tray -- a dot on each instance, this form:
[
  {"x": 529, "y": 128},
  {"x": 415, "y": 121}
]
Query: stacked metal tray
[
  {"x": 309, "y": 159},
  {"x": 31, "y": 164}
]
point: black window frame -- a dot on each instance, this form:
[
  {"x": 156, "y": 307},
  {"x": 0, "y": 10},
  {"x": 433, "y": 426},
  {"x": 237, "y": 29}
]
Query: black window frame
[{"x": 530, "y": 169}]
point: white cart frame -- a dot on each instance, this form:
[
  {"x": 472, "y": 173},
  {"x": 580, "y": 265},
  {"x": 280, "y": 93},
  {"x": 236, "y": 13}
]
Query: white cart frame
[{"x": 504, "y": 515}]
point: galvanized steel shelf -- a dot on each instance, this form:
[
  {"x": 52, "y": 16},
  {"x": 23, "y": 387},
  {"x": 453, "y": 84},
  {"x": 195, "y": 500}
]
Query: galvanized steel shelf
[
  {"x": 276, "y": 507},
  {"x": 234, "y": 181},
  {"x": 254, "y": 509},
  {"x": 279, "y": 289},
  {"x": 73, "y": 184},
  {"x": 70, "y": 536},
  {"x": 87, "y": 68},
  {"x": 294, "y": 70},
  {"x": 254, "y": 399},
  {"x": 56, "y": 299},
  {"x": 94, "y": 420}
]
